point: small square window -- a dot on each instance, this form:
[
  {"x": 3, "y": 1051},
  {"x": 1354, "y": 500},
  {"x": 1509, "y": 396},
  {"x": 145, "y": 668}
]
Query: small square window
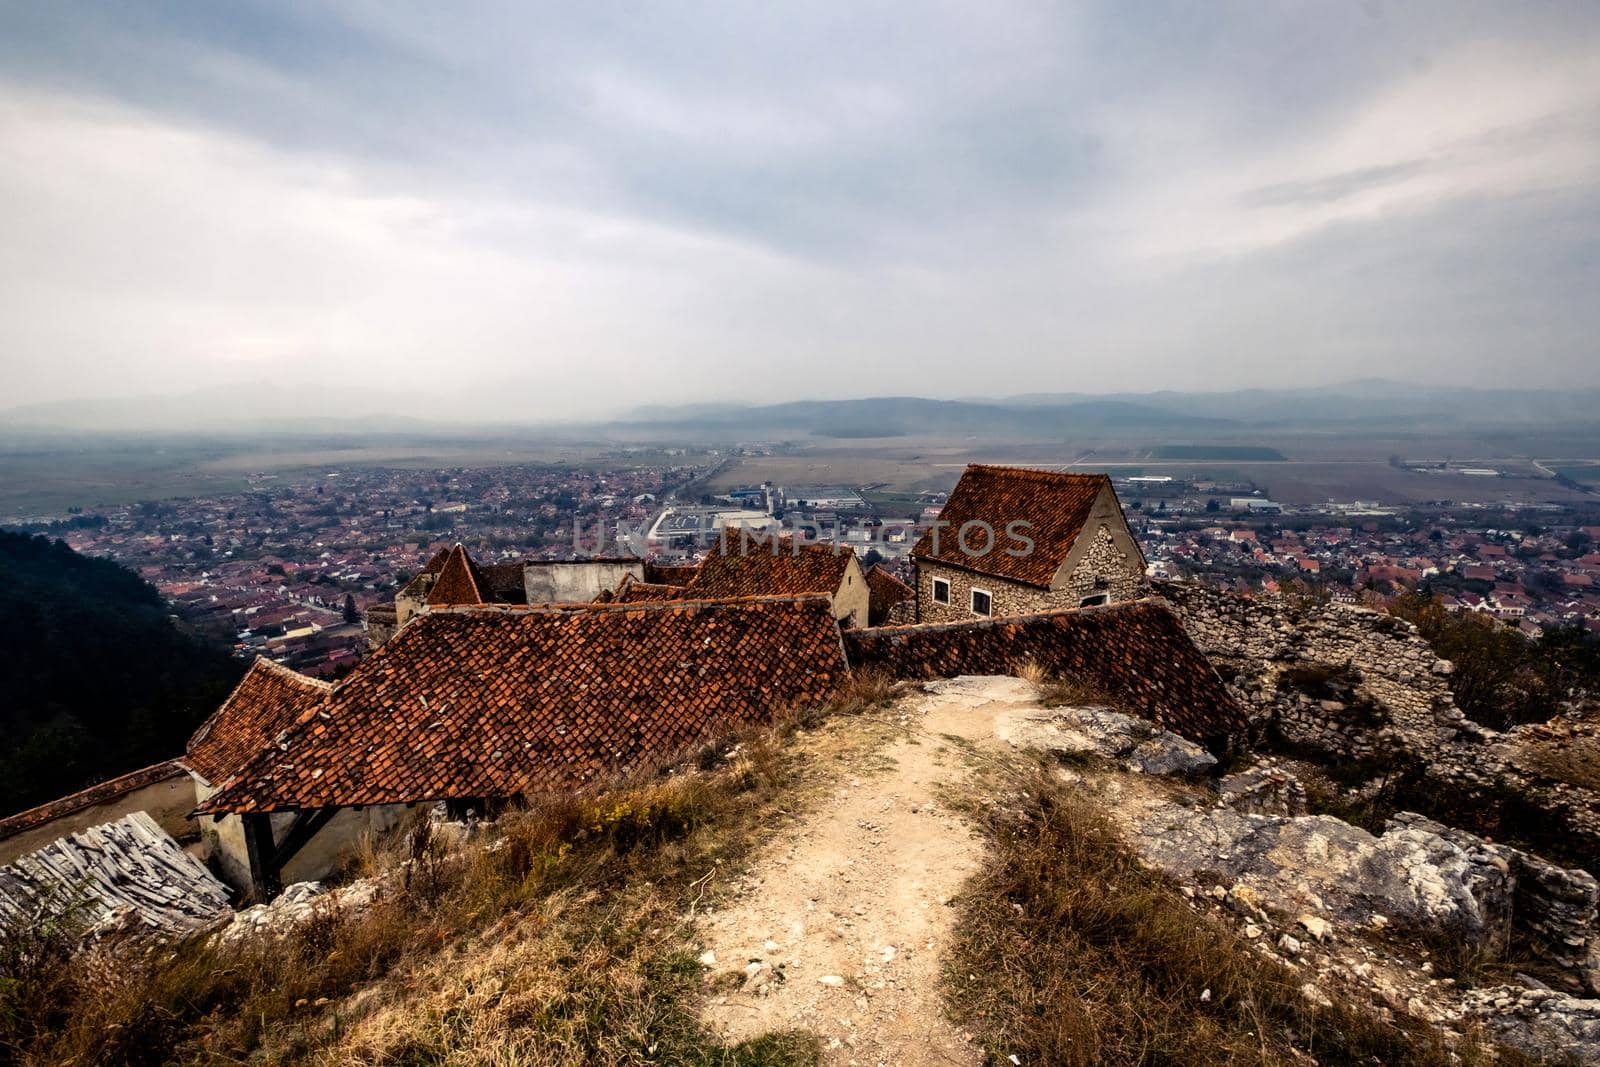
[
  {"x": 1097, "y": 598},
  {"x": 941, "y": 591},
  {"x": 981, "y": 602}
]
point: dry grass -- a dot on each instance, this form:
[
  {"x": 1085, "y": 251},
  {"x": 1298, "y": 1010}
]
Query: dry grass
[
  {"x": 1069, "y": 952},
  {"x": 1059, "y": 691},
  {"x": 562, "y": 942}
]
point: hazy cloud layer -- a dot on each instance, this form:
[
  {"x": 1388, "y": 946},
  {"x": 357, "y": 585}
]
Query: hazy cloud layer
[{"x": 586, "y": 207}]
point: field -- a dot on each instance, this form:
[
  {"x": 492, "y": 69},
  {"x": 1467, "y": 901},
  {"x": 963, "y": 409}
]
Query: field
[
  {"x": 43, "y": 478},
  {"x": 893, "y": 471},
  {"x": 46, "y": 475}
]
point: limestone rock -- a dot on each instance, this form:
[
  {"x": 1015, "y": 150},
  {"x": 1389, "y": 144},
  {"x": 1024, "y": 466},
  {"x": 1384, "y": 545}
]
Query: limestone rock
[
  {"x": 1539, "y": 1021},
  {"x": 1318, "y": 864},
  {"x": 1139, "y": 745}
]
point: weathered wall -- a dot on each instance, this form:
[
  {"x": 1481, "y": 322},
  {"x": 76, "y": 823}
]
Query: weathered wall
[
  {"x": 1104, "y": 558},
  {"x": 168, "y": 800},
  {"x": 379, "y": 624},
  {"x": 576, "y": 581},
  {"x": 1137, "y": 652},
  {"x": 1399, "y": 705},
  {"x": 1401, "y": 694},
  {"x": 852, "y": 601},
  {"x": 1101, "y": 558},
  {"x": 332, "y": 849}
]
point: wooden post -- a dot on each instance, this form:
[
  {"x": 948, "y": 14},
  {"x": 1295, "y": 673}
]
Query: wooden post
[{"x": 262, "y": 854}]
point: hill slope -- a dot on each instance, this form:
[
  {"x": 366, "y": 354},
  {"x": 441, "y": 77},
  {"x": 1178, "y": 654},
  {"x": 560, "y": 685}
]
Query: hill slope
[{"x": 99, "y": 679}]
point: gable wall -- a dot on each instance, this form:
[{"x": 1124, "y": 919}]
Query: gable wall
[
  {"x": 852, "y": 601},
  {"x": 1102, "y": 557}
]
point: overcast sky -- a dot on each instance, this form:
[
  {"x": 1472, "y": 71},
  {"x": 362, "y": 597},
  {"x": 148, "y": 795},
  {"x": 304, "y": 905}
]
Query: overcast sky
[{"x": 592, "y": 206}]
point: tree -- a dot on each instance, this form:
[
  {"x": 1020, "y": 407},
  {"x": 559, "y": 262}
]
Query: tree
[
  {"x": 351, "y": 615},
  {"x": 1213, "y": 505}
]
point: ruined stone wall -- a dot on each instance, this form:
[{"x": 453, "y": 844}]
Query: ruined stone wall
[
  {"x": 1388, "y": 696},
  {"x": 1285, "y": 659}
]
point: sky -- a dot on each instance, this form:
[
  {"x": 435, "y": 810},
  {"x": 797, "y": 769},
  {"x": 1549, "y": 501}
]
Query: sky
[{"x": 559, "y": 211}]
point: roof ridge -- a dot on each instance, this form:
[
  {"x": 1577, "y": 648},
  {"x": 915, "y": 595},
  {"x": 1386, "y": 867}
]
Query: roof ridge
[
  {"x": 1037, "y": 471},
  {"x": 576, "y": 606},
  {"x": 274, "y": 665},
  {"x": 1113, "y": 608}
]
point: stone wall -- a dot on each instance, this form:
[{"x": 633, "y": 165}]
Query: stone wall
[
  {"x": 1349, "y": 681},
  {"x": 1102, "y": 560},
  {"x": 1390, "y": 699}
]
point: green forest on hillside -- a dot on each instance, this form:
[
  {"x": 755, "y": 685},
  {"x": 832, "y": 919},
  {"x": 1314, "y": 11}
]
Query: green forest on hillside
[{"x": 100, "y": 680}]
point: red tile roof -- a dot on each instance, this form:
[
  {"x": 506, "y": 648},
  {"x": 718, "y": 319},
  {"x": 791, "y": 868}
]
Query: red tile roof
[
  {"x": 470, "y": 703},
  {"x": 886, "y": 591},
  {"x": 670, "y": 573},
  {"x": 1055, "y": 504},
  {"x": 774, "y": 566},
  {"x": 265, "y": 703},
  {"x": 1137, "y": 651},
  {"x": 631, "y": 591},
  {"x": 459, "y": 581}
]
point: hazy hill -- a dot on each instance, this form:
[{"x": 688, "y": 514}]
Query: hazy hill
[
  {"x": 99, "y": 680},
  {"x": 896, "y": 416}
]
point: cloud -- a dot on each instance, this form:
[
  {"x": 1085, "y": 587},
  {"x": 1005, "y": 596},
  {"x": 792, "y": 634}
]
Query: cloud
[{"x": 570, "y": 210}]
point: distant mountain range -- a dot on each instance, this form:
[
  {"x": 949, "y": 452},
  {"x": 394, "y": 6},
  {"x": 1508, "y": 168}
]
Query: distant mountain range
[
  {"x": 897, "y": 416},
  {"x": 272, "y": 408},
  {"x": 1353, "y": 406}
]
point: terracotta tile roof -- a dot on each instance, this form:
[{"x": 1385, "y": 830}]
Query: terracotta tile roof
[
  {"x": 459, "y": 582},
  {"x": 1056, "y": 504},
  {"x": 669, "y": 573},
  {"x": 436, "y": 562},
  {"x": 265, "y": 703},
  {"x": 493, "y": 702},
  {"x": 632, "y": 591},
  {"x": 735, "y": 567},
  {"x": 99, "y": 793},
  {"x": 886, "y": 591},
  {"x": 1136, "y": 650}
]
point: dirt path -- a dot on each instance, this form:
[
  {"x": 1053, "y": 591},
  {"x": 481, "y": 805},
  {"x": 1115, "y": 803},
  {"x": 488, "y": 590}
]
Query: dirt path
[{"x": 840, "y": 925}]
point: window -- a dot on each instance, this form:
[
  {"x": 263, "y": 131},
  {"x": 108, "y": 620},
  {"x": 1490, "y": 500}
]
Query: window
[
  {"x": 941, "y": 591},
  {"x": 982, "y": 602},
  {"x": 1091, "y": 601}
]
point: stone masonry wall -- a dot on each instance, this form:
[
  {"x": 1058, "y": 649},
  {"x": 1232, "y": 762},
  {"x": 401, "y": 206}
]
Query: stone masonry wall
[
  {"x": 1102, "y": 559},
  {"x": 1399, "y": 704},
  {"x": 1398, "y": 689}
]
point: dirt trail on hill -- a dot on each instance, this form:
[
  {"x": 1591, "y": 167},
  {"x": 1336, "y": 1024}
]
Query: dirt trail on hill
[{"x": 839, "y": 925}]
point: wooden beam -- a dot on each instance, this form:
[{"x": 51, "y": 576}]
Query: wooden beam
[
  {"x": 261, "y": 853},
  {"x": 306, "y": 823}
]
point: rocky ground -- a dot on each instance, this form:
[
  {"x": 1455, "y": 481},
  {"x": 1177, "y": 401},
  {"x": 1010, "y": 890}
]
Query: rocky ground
[{"x": 839, "y": 926}]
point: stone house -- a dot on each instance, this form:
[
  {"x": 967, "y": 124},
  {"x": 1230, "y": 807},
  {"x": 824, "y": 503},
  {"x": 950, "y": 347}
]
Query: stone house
[{"x": 1015, "y": 541}]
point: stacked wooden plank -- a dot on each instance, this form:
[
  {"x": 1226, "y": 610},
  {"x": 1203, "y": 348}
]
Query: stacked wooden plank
[{"x": 125, "y": 876}]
